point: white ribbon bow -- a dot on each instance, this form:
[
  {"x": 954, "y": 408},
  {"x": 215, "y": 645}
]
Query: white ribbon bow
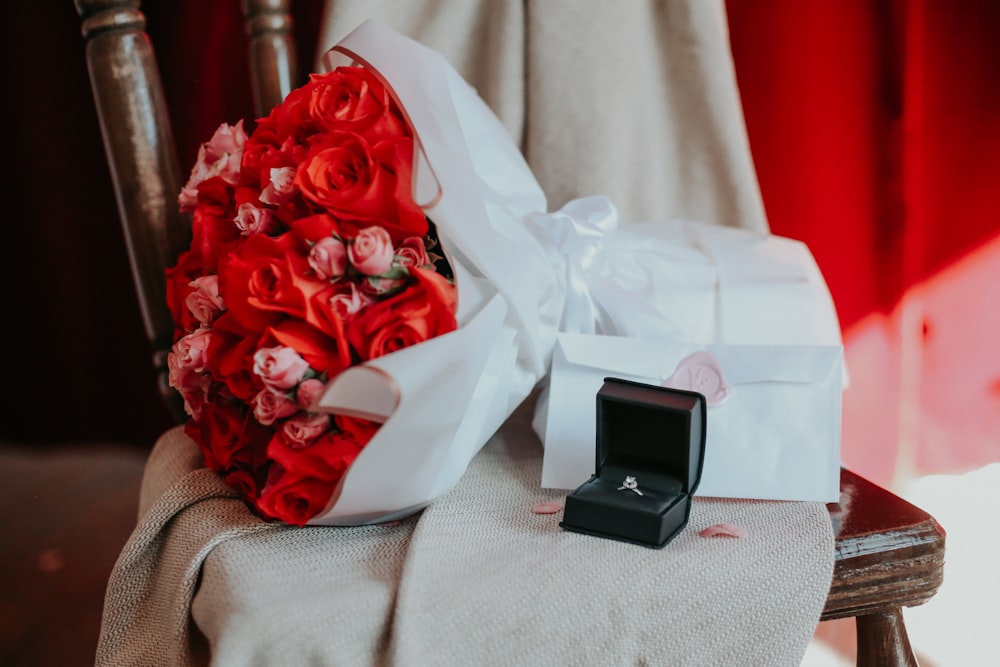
[{"x": 624, "y": 283}]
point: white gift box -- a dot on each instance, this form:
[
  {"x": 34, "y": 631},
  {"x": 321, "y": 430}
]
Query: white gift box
[
  {"x": 639, "y": 293},
  {"x": 776, "y": 436}
]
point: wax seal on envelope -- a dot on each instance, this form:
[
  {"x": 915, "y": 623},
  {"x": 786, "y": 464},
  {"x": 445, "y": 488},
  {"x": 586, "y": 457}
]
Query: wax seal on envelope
[{"x": 700, "y": 372}]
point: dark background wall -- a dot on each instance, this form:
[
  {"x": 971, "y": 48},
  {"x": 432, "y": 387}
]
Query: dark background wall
[{"x": 71, "y": 336}]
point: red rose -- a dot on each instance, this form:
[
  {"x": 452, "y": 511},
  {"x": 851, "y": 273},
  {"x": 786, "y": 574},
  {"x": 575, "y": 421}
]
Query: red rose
[
  {"x": 230, "y": 357},
  {"x": 189, "y": 266},
  {"x": 412, "y": 252},
  {"x": 313, "y": 228},
  {"x": 268, "y": 179},
  {"x": 293, "y": 498},
  {"x": 423, "y": 310},
  {"x": 328, "y": 458},
  {"x": 363, "y": 185},
  {"x": 357, "y": 101},
  {"x": 330, "y": 309},
  {"x": 244, "y": 483},
  {"x": 212, "y": 225},
  {"x": 263, "y": 148},
  {"x": 302, "y": 480},
  {"x": 362, "y": 430},
  {"x": 323, "y": 352},
  {"x": 348, "y": 98},
  {"x": 262, "y": 281},
  {"x": 228, "y": 438}
]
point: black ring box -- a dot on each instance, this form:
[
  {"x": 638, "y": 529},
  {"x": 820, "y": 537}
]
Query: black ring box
[{"x": 655, "y": 435}]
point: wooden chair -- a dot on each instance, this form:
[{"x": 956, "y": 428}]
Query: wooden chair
[{"x": 889, "y": 554}]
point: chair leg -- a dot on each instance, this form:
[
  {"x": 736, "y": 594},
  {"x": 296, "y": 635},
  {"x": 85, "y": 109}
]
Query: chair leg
[{"x": 882, "y": 640}]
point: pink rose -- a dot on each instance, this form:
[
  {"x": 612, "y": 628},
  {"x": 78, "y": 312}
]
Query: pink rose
[
  {"x": 308, "y": 392},
  {"x": 303, "y": 429},
  {"x": 194, "y": 391},
  {"x": 371, "y": 251},
  {"x": 281, "y": 188},
  {"x": 347, "y": 303},
  {"x": 205, "y": 302},
  {"x": 186, "y": 365},
  {"x": 252, "y": 219},
  {"x": 375, "y": 286},
  {"x": 189, "y": 355},
  {"x": 270, "y": 405},
  {"x": 328, "y": 258},
  {"x": 411, "y": 252},
  {"x": 220, "y": 156},
  {"x": 279, "y": 367}
]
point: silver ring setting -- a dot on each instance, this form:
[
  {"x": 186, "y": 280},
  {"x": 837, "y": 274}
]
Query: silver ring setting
[{"x": 630, "y": 484}]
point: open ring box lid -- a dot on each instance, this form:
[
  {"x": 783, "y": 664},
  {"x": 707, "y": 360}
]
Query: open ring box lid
[{"x": 655, "y": 435}]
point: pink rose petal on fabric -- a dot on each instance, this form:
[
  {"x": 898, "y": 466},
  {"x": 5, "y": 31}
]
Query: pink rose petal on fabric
[
  {"x": 550, "y": 507},
  {"x": 723, "y": 530},
  {"x": 700, "y": 372}
]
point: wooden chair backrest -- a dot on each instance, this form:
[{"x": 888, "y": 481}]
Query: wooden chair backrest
[{"x": 139, "y": 141}]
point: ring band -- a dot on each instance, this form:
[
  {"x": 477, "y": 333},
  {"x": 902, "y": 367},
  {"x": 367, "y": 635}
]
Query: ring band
[{"x": 630, "y": 485}]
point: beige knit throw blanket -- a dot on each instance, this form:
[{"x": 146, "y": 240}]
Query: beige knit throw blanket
[{"x": 476, "y": 579}]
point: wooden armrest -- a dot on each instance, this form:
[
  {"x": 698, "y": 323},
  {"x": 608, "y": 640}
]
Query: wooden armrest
[{"x": 889, "y": 555}]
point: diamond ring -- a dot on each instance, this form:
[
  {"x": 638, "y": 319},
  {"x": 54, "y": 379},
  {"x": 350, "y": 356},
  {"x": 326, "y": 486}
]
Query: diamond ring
[{"x": 630, "y": 485}]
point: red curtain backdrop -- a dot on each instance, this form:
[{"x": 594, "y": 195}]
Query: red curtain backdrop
[
  {"x": 872, "y": 124},
  {"x": 874, "y": 130}
]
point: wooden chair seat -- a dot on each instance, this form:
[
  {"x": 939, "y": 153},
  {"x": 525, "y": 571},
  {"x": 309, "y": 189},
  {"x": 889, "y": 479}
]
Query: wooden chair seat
[{"x": 889, "y": 554}]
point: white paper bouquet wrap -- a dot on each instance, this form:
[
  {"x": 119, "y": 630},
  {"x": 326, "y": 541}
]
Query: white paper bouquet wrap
[{"x": 442, "y": 399}]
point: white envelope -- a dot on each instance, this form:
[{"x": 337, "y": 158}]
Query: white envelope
[{"x": 776, "y": 437}]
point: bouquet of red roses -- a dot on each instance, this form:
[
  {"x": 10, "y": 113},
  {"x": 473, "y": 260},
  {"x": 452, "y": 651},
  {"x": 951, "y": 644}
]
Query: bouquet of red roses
[{"x": 309, "y": 256}]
